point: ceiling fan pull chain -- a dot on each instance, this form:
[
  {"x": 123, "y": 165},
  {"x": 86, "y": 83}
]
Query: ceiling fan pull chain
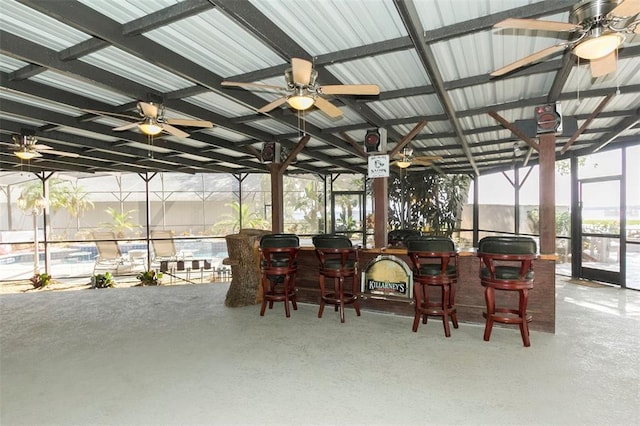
[
  {"x": 578, "y": 91},
  {"x": 150, "y": 143},
  {"x": 616, "y": 75}
]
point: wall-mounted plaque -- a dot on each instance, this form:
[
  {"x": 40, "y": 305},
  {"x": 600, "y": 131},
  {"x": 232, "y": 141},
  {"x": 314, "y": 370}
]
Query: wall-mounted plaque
[{"x": 387, "y": 276}]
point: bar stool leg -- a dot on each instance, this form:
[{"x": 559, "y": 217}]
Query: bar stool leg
[
  {"x": 524, "y": 325},
  {"x": 489, "y": 296},
  {"x": 417, "y": 289},
  {"x": 294, "y": 298},
  {"x": 356, "y": 302},
  {"x": 287, "y": 311},
  {"x": 451, "y": 303},
  {"x": 322, "y": 301},
  {"x": 445, "y": 310},
  {"x": 340, "y": 295},
  {"x": 265, "y": 290}
]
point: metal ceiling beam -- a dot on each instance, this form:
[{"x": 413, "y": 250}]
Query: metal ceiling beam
[
  {"x": 409, "y": 15},
  {"x": 255, "y": 22},
  {"x": 86, "y": 19},
  {"x": 24, "y": 110},
  {"x": 482, "y": 23},
  {"x": 166, "y": 16},
  {"x": 31, "y": 52}
]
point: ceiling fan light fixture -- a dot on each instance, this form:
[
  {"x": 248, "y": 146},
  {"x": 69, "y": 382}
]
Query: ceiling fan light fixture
[
  {"x": 25, "y": 154},
  {"x": 403, "y": 164},
  {"x": 598, "y": 46},
  {"x": 150, "y": 127},
  {"x": 300, "y": 102}
]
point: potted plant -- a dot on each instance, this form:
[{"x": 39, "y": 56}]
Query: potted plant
[
  {"x": 40, "y": 280},
  {"x": 150, "y": 278},
  {"x": 102, "y": 281}
]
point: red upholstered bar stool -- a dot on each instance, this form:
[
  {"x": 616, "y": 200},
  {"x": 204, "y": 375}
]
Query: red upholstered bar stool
[
  {"x": 435, "y": 265},
  {"x": 279, "y": 265},
  {"x": 338, "y": 262},
  {"x": 507, "y": 265}
]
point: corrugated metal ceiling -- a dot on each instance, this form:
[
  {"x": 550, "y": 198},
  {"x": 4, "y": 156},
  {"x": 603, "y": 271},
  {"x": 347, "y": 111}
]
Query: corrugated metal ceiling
[{"x": 60, "y": 59}]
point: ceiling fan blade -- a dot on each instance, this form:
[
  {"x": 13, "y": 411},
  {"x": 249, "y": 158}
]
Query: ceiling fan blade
[
  {"x": 528, "y": 59},
  {"x": 301, "y": 70},
  {"x": 273, "y": 105},
  {"x": 255, "y": 85},
  {"x": 536, "y": 24},
  {"x": 189, "y": 123},
  {"x": 327, "y": 107},
  {"x": 422, "y": 162},
  {"x": 148, "y": 109},
  {"x": 125, "y": 127},
  {"x": 350, "y": 89},
  {"x": 174, "y": 131},
  {"x": 40, "y": 146},
  {"x": 626, "y": 8},
  {"x": 110, "y": 114},
  {"x": 428, "y": 158},
  {"x": 604, "y": 65},
  {"x": 63, "y": 154}
]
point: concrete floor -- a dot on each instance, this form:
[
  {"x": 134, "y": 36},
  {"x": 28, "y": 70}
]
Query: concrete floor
[{"x": 176, "y": 355}]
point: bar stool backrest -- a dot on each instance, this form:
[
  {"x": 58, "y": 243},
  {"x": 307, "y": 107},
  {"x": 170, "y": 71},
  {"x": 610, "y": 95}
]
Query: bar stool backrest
[
  {"x": 335, "y": 252},
  {"x": 279, "y": 241},
  {"x": 507, "y": 245},
  {"x": 399, "y": 237},
  {"x": 495, "y": 251},
  {"x": 331, "y": 241},
  {"x": 432, "y": 255},
  {"x": 279, "y": 250},
  {"x": 430, "y": 244}
]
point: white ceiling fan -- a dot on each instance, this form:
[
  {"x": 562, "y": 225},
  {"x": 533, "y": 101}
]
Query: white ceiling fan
[
  {"x": 598, "y": 28},
  {"x": 26, "y": 147},
  {"x": 152, "y": 121},
  {"x": 302, "y": 91}
]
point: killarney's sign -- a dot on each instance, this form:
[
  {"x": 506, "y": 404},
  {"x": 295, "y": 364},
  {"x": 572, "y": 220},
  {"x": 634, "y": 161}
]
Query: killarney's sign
[{"x": 387, "y": 276}]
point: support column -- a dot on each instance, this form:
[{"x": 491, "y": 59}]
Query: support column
[
  {"x": 380, "y": 212},
  {"x": 547, "y": 191},
  {"x": 277, "y": 197}
]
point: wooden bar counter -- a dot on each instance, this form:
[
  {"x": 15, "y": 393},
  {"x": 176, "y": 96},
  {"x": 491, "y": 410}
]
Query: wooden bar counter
[{"x": 469, "y": 292}]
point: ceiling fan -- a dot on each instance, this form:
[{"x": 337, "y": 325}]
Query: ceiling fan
[
  {"x": 302, "y": 91},
  {"x": 26, "y": 147},
  {"x": 152, "y": 121},
  {"x": 406, "y": 159},
  {"x": 599, "y": 27}
]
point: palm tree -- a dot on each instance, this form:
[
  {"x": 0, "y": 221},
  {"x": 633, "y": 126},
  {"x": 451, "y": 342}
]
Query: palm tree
[
  {"x": 120, "y": 222},
  {"x": 240, "y": 215}
]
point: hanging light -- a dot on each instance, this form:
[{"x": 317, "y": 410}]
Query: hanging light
[
  {"x": 21, "y": 202},
  {"x": 26, "y": 154},
  {"x": 150, "y": 126},
  {"x": 300, "y": 100},
  {"x": 598, "y": 45},
  {"x": 404, "y": 163}
]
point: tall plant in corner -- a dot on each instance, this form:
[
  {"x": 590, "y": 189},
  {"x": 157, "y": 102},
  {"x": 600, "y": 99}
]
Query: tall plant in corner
[{"x": 427, "y": 201}]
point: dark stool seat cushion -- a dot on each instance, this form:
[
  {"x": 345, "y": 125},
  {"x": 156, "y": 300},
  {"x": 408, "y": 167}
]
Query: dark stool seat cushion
[
  {"x": 435, "y": 269},
  {"x": 507, "y": 273}
]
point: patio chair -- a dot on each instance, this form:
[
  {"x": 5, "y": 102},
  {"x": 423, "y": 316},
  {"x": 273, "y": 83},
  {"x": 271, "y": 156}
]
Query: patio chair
[
  {"x": 164, "y": 250},
  {"x": 166, "y": 257},
  {"x": 109, "y": 257}
]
